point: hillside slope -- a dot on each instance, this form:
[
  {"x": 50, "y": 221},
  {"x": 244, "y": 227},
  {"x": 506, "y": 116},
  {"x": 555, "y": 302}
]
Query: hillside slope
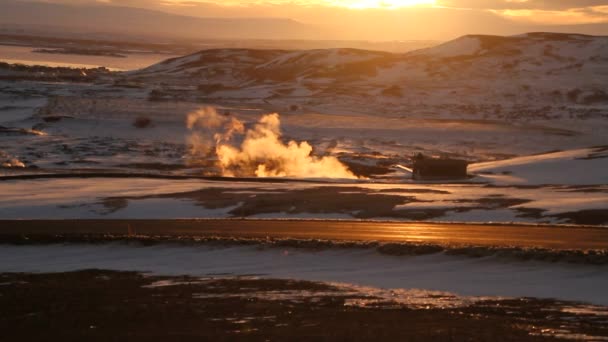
[{"x": 536, "y": 75}]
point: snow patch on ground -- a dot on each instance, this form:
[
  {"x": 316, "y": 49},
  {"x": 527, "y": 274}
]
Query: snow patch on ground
[
  {"x": 438, "y": 272},
  {"x": 107, "y": 198},
  {"x": 572, "y": 167}
]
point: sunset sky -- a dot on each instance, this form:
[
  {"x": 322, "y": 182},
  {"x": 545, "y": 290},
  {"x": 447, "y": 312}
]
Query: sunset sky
[
  {"x": 398, "y": 19},
  {"x": 537, "y": 11}
]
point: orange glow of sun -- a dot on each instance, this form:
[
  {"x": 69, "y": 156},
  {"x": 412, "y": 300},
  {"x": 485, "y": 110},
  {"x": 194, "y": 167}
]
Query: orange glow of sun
[{"x": 385, "y": 4}]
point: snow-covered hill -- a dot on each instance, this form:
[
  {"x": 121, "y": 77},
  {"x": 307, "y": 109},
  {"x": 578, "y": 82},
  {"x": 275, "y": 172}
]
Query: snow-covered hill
[
  {"x": 254, "y": 67},
  {"x": 535, "y": 58},
  {"x": 532, "y": 76}
]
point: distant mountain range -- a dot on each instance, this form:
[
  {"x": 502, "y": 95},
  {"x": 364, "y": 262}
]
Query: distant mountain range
[{"x": 130, "y": 21}]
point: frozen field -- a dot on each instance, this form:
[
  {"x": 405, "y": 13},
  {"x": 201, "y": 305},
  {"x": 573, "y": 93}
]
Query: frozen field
[
  {"x": 462, "y": 275},
  {"x": 148, "y": 198}
]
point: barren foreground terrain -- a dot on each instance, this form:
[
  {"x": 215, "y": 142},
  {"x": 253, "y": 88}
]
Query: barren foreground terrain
[{"x": 102, "y": 305}]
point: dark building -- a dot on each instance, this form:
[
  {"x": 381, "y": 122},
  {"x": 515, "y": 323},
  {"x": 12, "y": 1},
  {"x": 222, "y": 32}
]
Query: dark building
[{"x": 426, "y": 168}]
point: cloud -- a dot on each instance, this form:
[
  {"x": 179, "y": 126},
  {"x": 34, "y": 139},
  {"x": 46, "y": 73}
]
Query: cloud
[
  {"x": 544, "y": 12},
  {"x": 547, "y": 5},
  {"x": 566, "y": 17}
]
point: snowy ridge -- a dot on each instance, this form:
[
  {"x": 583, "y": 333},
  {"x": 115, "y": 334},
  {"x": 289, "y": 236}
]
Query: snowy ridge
[
  {"x": 476, "y": 76},
  {"x": 559, "y": 47},
  {"x": 323, "y": 58},
  {"x": 529, "y": 48},
  {"x": 463, "y": 46}
]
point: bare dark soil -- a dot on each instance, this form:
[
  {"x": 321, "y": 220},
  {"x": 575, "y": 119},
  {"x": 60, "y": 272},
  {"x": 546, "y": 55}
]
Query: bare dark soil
[
  {"x": 589, "y": 217},
  {"x": 96, "y": 305}
]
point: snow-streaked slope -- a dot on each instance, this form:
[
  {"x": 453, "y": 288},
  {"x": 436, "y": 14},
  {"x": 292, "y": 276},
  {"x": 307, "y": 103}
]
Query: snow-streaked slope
[
  {"x": 537, "y": 76},
  {"x": 323, "y": 58},
  {"x": 257, "y": 67},
  {"x": 463, "y": 46},
  {"x": 573, "y": 167},
  {"x": 546, "y": 44},
  {"x": 218, "y": 66},
  {"x": 328, "y": 63},
  {"x": 546, "y": 52}
]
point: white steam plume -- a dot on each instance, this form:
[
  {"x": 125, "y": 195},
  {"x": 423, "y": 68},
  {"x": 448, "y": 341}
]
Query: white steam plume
[{"x": 262, "y": 153}]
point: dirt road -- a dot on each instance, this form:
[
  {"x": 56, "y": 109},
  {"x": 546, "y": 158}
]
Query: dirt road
[{"x": 554, "y": 237}]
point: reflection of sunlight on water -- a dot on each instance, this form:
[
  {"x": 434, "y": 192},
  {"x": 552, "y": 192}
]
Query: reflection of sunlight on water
[
  {"x": 55, "y": 64},
  {"x": 24, "y": 55}
]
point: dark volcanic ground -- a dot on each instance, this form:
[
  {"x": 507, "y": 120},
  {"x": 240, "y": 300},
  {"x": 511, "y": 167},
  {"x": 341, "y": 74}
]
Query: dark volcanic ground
[{"x": 97, "y": 305}]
